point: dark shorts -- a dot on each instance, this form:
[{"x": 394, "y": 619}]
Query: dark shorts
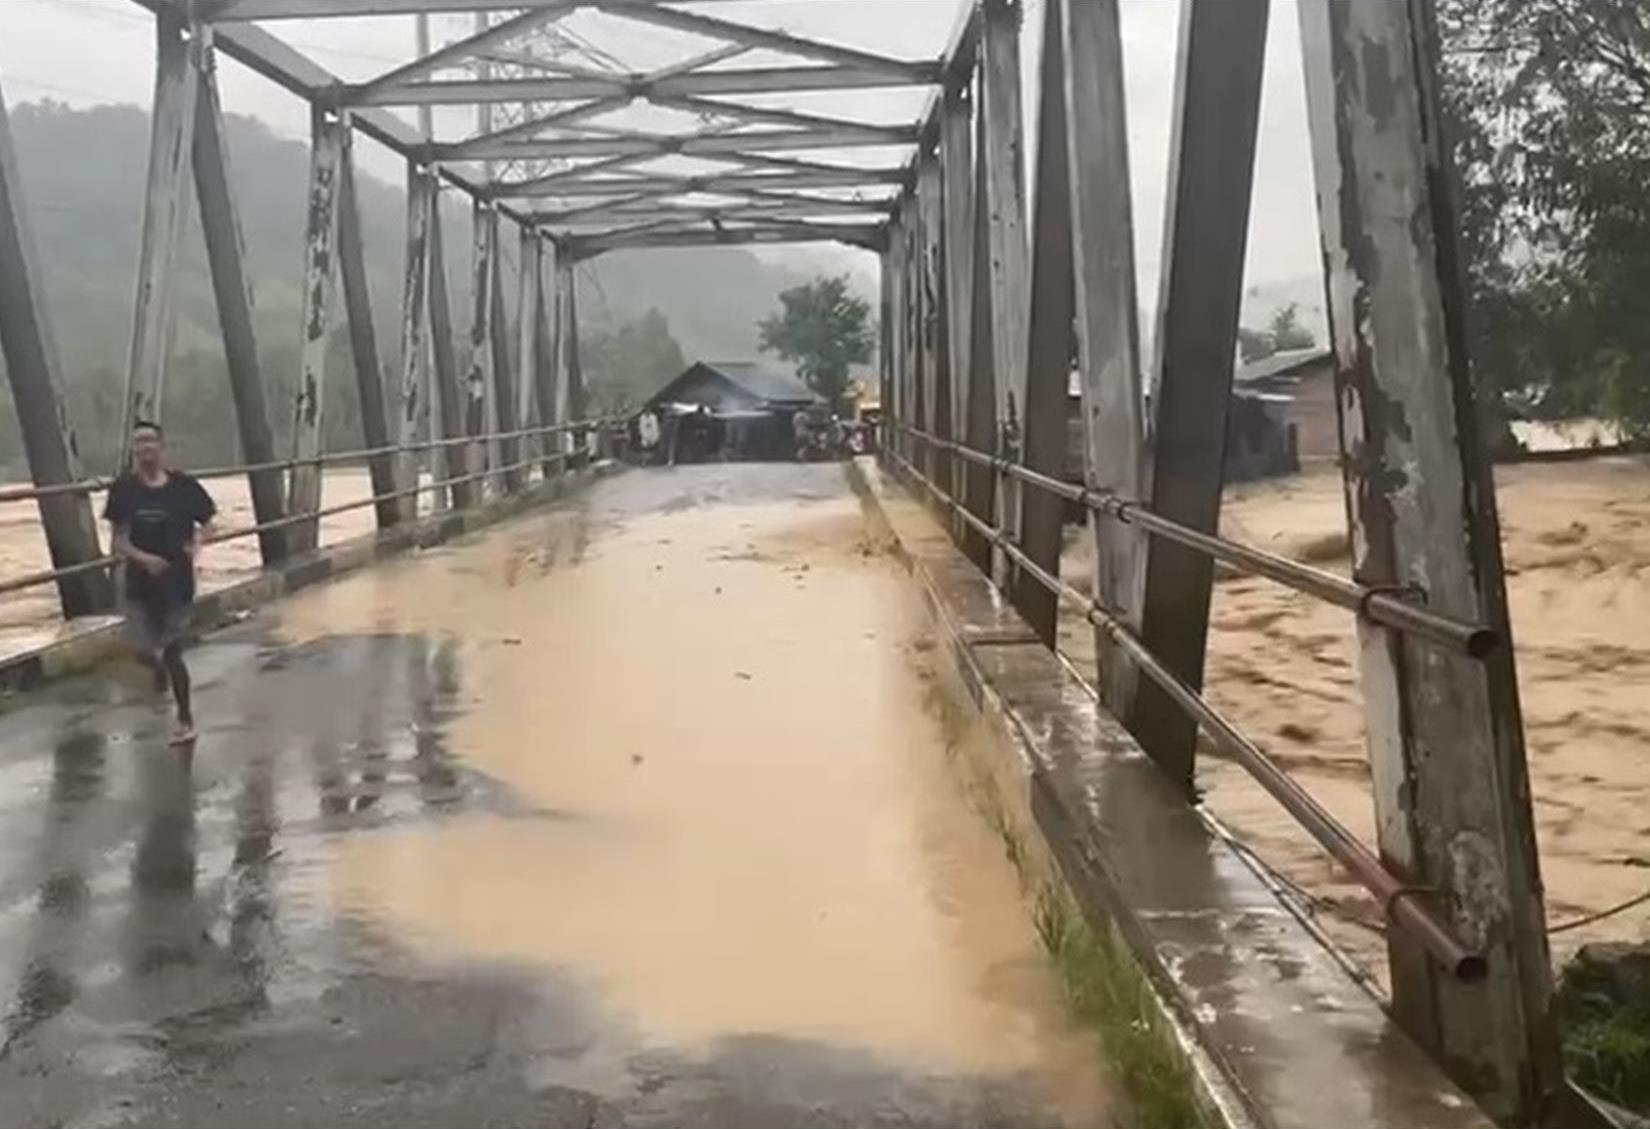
[{"x": 154, "y": 621}]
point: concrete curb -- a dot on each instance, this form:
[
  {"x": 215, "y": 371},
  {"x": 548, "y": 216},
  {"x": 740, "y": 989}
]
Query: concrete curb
[
  {"x": 1268, "y": 1026},
  {"x": 104, "y": 638}
]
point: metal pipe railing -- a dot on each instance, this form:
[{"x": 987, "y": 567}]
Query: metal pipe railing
[
  {"x": 47, "y": 576},
  {"x": 1378, "y": 605},
  {"x": 93, "y": 485},
  {"x": 1400, "y": 901}
]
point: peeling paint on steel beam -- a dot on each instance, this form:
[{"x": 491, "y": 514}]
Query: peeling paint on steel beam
[
  {"x": 413, "y": 419},
  {"x": 1445, "y": 732},
  {"x": 166, "y": 202},
  {"x": 320, "y": 272}
]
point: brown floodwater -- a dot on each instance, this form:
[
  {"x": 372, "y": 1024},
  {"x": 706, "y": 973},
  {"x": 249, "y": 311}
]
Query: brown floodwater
[{"x": 709, "y": 688}]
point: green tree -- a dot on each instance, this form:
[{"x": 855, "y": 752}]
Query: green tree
[
  {"x": 624, "y": 366},
  {"x": 822, "y": 328},
  {"x": 1287, "y": 332},
  {"x": 1550, "y": 108},
  {"x": 1254, "y": 344}
]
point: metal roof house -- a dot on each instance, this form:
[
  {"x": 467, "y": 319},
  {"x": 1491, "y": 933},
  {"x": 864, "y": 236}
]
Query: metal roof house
[
  {"x": 726, "y": 387},
  {"x": 729, "y": 410}
]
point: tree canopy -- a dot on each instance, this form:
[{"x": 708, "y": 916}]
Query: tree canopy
[
  {"x": 1551, "y": 115},
  {"x": 625, "y": 365},
  {"x": 1283, "y": 332},
  {"x": 822, "y": 328}
]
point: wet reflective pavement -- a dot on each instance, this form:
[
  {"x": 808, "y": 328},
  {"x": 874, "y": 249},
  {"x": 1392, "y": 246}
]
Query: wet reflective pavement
[{"x": 633, "y": 812}]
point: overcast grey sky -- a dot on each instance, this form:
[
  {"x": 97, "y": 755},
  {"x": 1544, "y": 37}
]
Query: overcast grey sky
[{"x": 85, "y": 52}]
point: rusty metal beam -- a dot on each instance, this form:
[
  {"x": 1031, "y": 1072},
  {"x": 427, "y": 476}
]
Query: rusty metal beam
[
  {"x": 1452, "y": 798},
  {"x": 34, "y": 371}
]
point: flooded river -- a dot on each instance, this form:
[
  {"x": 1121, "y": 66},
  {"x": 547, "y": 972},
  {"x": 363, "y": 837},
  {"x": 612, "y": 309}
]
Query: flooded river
[{"x": 639, "y": 807}]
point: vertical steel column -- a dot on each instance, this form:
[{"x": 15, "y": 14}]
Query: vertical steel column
[
  {"x": 327, "y": 131},
  {"x": 885, "y": 338},
  {"x": 544, "y": 350},
  {"x": 985, "y": 431},
  {"x": 413, "y": 417},
  {"x": 957, "y": 184},
  {"x": 1048, "y": 363},
  {"x": 578, "y": 405},
  {"x": 934, "y": 377},
  {"x": 527, "y": 330},
  {"x": 894, "y": 408},
  {"x": 34, "y": 372},
  {"x": 449, "y": 398},
  {"x": 1446, "y": 744},
  {"x": 478, "y": 372},
  {"x": 913, "y": 320},
  {"x": 165, "y": 214},
  {"x": 1107, "y": 314},
  {"x": 363, "y": 336},
  {"x": 226, "y": 255},
  {"x": 504, "y": 416},
  {"x": 1001, "y": 139},
  {"x": 1211, "y": 170}
]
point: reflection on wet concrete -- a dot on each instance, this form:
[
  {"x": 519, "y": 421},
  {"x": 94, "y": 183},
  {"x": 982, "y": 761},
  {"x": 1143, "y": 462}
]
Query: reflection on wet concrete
[{"x": 623, "y": 814}]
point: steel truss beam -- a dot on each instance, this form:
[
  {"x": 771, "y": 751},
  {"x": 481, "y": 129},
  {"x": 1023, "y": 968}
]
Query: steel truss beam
[
  {"x": 34, "y": 371},
  {"x": 756, "y": 184},
  {"x": 577, "y": 88},
  {"x": 230, "y": 10},
  {"x": 704, "y": 144},
  {"x": 729, "y": 213},
  {"x": 328, "y": 133},
  {"x": 1107, "y": 313},
  {"x": 865, "y": 236},
  {"x": 226, "y": 254},
  {"x": 1212, "y": 159},
  {"x": 470, "y": 46},
  {"x": 650, "y": 12}
]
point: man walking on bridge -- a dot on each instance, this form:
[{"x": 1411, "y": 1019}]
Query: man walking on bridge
[{"x": 159, "y": 517}]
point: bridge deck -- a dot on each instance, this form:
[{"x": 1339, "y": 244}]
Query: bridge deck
[{"x": 631, "y": 812}]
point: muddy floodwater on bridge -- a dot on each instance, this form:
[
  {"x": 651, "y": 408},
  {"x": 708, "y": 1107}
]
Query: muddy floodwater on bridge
[{"x": 636, "y": 811}]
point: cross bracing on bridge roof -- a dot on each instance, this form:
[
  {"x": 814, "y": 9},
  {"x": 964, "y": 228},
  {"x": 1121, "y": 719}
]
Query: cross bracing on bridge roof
[
  {"x": 686, "y": 127},
  {"x": 578, "y": 127}
]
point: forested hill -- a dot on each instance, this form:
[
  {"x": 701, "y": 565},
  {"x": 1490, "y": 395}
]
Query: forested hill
[{"x": 83, "y": 173}]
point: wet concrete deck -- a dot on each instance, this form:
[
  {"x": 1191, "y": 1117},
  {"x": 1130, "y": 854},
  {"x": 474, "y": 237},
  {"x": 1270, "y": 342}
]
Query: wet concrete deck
[{"x": 626, "y": 813}]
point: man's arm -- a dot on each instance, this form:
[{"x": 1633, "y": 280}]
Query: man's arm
[
  {"x": 122, "y": 545},
  {"x": 206, "y": 511}
]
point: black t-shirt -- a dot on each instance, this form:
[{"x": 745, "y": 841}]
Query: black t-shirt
[{"x": 160, "y": 520}]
